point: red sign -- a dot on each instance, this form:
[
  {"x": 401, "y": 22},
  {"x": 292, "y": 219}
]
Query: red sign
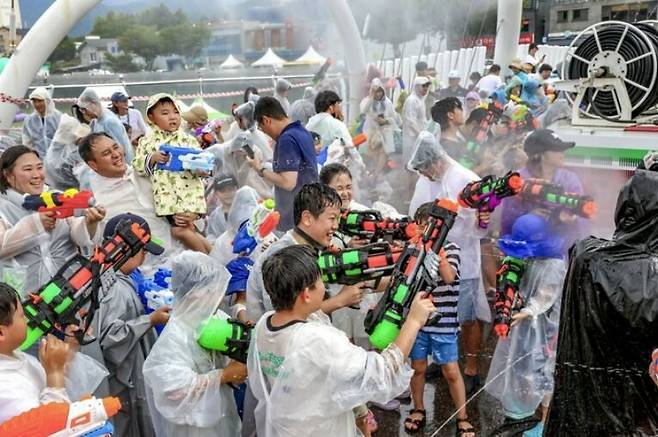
[{"x": 489, "y": 41}]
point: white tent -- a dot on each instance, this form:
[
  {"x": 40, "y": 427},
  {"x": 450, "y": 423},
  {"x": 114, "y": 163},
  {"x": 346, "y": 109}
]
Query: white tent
[
  {"x": 311, "y": 57},
  {"x": 231, "y": 62},
  {"x": 269, "y": 59}
]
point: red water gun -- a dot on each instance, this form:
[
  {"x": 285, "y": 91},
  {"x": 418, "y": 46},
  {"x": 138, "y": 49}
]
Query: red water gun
[
  {"x": 508, "y": 299},
  {"x": 63, "y": 204},
  {"x": 60, "y": 419},
  {"x": 370, "y": 224}
]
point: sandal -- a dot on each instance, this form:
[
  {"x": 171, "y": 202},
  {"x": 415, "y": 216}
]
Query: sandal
[
  {"x": 418, "y": 423},
  {"x": 462, "y": 431}
]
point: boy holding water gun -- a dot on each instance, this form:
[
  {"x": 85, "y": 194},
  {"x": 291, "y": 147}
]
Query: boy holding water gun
[{"x": 178, "y": 195}]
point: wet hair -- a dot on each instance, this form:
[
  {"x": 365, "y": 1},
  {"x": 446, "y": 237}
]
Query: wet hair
[
  {"x": 160, "y": 102},
  {"x": 495, "y": 68},
  {"x": 247, "y": 92},
  {"x": 477, "y": 115},
  {"x": 8, "y": 304},
  {"x": 332, "y": 170},
  {"x": 7, "y": 162},
  {"x": 475, "y": 76},
  {"x": 268, "y": 107},
  {"x": 423, "y": 212},
  {"x": 77, "y": 113},
  {"x": 224, "y": 182},
  {"x": 545, "y": 67},
  {"x": 421, "y": 66},
  {"x": 314, "y": 198},
  {"x": 441, "y": 109},
  {"x": 85, "y": 143},
  {"x": 325, "y": 99},
  {"x": 287, "y": 272}
]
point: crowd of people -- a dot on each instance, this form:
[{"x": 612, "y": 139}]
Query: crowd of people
[{"x": 310, "y": 368}]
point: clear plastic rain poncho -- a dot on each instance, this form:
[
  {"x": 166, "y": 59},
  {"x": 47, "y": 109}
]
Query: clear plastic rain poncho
[
  {"x": 281, "y": 88},
  {"x": 64, "y": 167},
  {"x": 448, "y": 184},
  {"x": 245, "y": 202},
  {"x": 303, "y": 109},
  {"x": 314, "y": 395},
  {"x": 183, "y": 380},
  {"x": 381, "y": 119},
  {"x": 106, "y": 121},
  {"x": 39, "y": 131},
  {"x": 527, "y": 357},
  {"x": 414, "y": 117},
  {"x": 254, "y": 137}
]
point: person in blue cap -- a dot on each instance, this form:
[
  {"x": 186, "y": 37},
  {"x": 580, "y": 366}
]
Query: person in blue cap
[
  {"x": 130, "y": 116},
  {"x": 525, "y": 359}
]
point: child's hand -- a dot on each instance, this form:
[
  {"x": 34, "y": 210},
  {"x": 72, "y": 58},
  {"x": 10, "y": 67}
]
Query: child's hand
[
  {"x": 352, "y": 294},
  {"x": 235, "y": 373},
  {"x": 356, "y": 242},
  {"x": 160, "y": 316},
  {"x": 158, "y": 158},
  {"x": 201, "y": 173},
  {"x": 54, "y": 354},
  {"x": 421, "y": 309},
  {"x": 519, "y": 317},
  {"x": 185, "y": 219}
]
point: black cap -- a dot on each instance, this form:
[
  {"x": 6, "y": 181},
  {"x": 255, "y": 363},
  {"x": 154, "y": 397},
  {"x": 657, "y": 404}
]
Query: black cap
[
  {"x": 111, "y": 228},
  {"x": 545, "y": 140},
  {"x": 119, "y": 97}
]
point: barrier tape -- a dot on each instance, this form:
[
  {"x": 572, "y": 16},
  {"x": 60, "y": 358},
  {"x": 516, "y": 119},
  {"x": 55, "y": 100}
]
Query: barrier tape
[{"x": 4, "y": 98}]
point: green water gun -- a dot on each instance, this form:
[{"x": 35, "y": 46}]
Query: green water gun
[{"x": 229, "y": 337}]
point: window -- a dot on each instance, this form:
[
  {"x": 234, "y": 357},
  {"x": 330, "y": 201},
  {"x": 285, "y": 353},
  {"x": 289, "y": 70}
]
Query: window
[
  {"x": 93, "y": 57},
  {"x": 580, "y": 14},
  {"x": 562, "y": 16}
]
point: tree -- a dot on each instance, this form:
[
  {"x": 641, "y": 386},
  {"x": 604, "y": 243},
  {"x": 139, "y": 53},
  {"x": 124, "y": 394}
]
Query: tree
[
  {"x": 143, "y": 41},
  {"x": 64, "y": 52},
  {"x": 185, "y": 39},
  {"x": 112, "y": 25},
  {"x": 121, "y": 63}
]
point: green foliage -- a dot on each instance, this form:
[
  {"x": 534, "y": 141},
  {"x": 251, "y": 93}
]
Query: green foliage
[
  {"x": 121, "y": 63},
  {"x": 64, "y": 52},
  {"x": 142, "y": 41}
]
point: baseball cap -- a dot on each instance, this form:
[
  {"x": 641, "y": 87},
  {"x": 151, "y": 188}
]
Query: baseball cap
[
  {"x": 454, "y": 74},
  {"x": 544, "y": 140},
  {"x": 113, "y": 224},
  {"x": 421, "y": 80},
  {"x": 119, "y": 97}
]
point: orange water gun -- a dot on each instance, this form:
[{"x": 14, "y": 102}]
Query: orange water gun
[{"x": 87, "y": 418}]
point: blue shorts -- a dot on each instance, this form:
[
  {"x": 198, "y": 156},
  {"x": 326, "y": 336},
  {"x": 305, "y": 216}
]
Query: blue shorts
[
  {"x": 442, "y": 347},
  {"x": 466, "y": 303}
]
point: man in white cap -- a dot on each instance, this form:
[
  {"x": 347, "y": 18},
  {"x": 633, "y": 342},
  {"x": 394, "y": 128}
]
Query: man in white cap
[
  {"x": 414, "y": 115},
  {"x": 40, "y": 126},
  {"x": 453, "y": 89}
]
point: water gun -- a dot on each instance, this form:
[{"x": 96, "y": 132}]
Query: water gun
[
  {"x": 473, "y": 148},
  {"x": 487, "y": 193},
  {"x": 206, "y": 133},
  {"x": 63, "y": 204},
  {"x": 153, "y": 292},
  {"x": 508, "y": 299},
  {"x": 409, "y": 277},
  {"x": 553, "y": 196},
  {"x": 351, "y": 266},
  {"x": 185, "y": 158},
  {"x": 88, "y": 417},
  {"x": 76, "y": 285},
  {"x": 370, "y": 224},
  {"x": 263, "y": 222},
  {"x": 522, "y": 119},
  {"x": 229, "y": 337},
  {"x": 359, "y": 139}
]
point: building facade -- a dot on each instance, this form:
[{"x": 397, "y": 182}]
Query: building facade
[{"x": 93, "y": 50}]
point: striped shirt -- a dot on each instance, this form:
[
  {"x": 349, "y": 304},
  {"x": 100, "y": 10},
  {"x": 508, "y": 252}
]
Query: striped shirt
[{"x": 445, "y": 297}]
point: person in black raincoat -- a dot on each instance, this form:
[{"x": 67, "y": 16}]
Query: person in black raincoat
[{"x": 609, "y": 325}]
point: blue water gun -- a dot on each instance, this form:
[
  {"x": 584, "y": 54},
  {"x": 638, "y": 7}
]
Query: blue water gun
[
  {"x": 185, "y": 158},
  {"x": 153, "y": 292}
]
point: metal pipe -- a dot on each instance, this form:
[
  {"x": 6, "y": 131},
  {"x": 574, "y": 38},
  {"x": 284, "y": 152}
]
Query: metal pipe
[
  {"x": 509, "y": 30},
  {"x": 34, "y": 50}
]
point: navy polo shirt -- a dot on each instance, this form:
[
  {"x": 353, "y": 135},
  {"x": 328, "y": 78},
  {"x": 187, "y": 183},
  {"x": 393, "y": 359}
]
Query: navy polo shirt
[{"x": 294, "y": 151}]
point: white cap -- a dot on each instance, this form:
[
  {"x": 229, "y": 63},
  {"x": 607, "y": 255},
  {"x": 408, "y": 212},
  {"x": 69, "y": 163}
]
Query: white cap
[
  {"x": 454, "y": 74},
  {"x": 421, "y": 80}
]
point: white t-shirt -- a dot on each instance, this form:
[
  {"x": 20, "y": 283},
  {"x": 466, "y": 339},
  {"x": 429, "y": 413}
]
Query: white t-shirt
[{"x": 489, "y": 83}]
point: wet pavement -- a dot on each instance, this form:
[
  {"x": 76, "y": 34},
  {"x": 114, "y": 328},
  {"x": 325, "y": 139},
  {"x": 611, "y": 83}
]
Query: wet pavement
[{"x": 484, "y": 411}]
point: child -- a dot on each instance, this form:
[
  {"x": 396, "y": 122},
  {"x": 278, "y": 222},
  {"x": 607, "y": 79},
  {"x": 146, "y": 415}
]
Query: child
[
  {"x": 305, "y": 374},
  {"x": 178, "y": 196},
  {"x": 26, "y": 383},
  {"x": 527, "y": 356},
  {"x": 188, "y": 387},
  {"x": 126, "y": 336},
  {"x": 221, "y": 195},
  {"x": 440, "y": 339}
]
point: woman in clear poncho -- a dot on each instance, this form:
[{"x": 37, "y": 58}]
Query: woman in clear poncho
[
  {"x": 381, "y": 118},
  {"x": 526, "y": 358},
  {"x": 40, "y": 126},
  {"x": 64, "y": 167},
  {"x": 34, "y": 245},
  {"x": 303, "y": 109},
  {"x": 187, "y": 386}
]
